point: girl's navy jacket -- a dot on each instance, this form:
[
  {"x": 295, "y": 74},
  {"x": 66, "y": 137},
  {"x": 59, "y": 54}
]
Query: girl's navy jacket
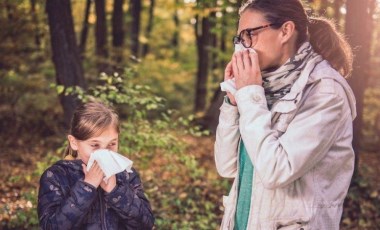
[{"x": 65, "y": 201}]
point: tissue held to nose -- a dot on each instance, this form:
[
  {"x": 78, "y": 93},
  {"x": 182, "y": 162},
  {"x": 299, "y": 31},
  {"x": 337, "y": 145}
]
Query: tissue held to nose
[
  {"x": 229, "y": 85},
  {"x": 110, "y": 162}
]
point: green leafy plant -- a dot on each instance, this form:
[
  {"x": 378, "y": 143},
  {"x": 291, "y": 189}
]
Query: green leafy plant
[{"x": 154, "y": 138}]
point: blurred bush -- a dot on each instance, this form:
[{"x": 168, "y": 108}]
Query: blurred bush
[
  {"x": 371, "y": 120},
  {"x": 184, "y": 194}
]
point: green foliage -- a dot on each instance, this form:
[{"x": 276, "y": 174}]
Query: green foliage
[
  {"x": 184, "y": 191},
  {"x": 24, "y": 103},
  {"x": 363, "y": 201},
  {"x": 371, "y": 114},
  {"x": 151, "y": 135},
  {"x": 26, "y": 217}
]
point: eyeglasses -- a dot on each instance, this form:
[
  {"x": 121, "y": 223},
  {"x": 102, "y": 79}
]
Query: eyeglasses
[{"x": 247, "y": 38}]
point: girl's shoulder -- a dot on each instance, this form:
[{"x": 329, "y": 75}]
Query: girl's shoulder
[
  {"x": 63, "y": 168},
  {"x": 131, "y": 176}
]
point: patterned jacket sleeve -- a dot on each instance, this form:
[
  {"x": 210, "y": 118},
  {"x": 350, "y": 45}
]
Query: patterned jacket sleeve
[
  {"x": 129, "y": 201},
  {"x": 60, "y": 207}
]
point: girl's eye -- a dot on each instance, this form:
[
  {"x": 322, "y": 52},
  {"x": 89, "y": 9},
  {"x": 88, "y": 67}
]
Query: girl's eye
[
  {"x": 95, "y": 146},
  {"x": 112, "y": 144}
]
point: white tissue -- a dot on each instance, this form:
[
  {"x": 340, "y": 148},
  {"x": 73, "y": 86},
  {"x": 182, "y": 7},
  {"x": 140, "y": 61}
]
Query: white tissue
[
  {"x": 229, "y": 85},
  {"x": 239, "y": 47},
  {"x": 110, "y": 162}
]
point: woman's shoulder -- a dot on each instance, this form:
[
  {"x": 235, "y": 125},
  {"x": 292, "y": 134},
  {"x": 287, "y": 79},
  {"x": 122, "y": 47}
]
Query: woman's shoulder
[
  {"x": 324, "y": 70},
  {"x": 325, "y": 82}
]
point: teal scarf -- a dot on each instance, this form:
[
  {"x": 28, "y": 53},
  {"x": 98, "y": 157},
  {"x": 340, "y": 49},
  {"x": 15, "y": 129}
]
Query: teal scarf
[{"x": 244, "y": 189}]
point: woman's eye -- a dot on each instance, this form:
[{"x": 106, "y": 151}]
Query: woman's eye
[
  {"x": 95, "y": 146},
  {"x": 112, "y": 144}
]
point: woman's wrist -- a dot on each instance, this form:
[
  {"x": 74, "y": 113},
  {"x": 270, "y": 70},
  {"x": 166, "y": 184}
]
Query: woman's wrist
[{"x": 228, "y": 100}]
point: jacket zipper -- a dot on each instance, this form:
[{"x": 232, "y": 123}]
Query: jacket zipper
[{"x": 102, "y": 211}]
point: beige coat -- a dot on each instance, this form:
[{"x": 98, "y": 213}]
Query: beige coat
[{"x": 301, "y": 151}]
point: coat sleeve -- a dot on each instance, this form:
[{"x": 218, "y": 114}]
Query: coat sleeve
[
  {"x": 227, "y": 139},
  {"x": 60, "y": 209},
  {"x": 130, "y": 203},
  {"x": 279, "y": 161}
]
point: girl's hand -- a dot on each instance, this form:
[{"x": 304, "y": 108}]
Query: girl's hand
[
  {"x": 111, "y": 183},
  {"x": 94, "y": 176},
  {"x": 228, "y": 74},
  {"x": 246, "y": 69}
]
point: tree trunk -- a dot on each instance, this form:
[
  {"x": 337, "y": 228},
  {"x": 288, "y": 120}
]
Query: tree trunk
[
  {"x": 149, "y": 28},
  {"x": 65, "y": 52},
  {"x": 84, "y": 32},
  {"x": 202, "y": 30},
  {"x": 118, "y": 31},
  {"x": 175, "y": 38},
  {"x": 101, "y": 34},
  {"x": 223, "y": 33},
  {"x": 37, "y": 39},
  {"x": 9, "y": 10},
  {"x": 117, "y": 24},
  {"x": 358, "y": 32},
  {"x": 213, "y": 42},
  {"x": 337, "y": 15},
  {"x": 211, "y": 118},
  {"x": 135, "y": 30}
]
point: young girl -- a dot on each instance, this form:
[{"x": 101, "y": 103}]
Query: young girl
[{"x": 70, "y": 197}]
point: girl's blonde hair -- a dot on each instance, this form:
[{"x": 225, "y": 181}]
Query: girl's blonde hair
[{"x": 90, "y": 119}]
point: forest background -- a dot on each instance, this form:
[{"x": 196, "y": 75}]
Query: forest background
[{"x": 160, "y": 64}]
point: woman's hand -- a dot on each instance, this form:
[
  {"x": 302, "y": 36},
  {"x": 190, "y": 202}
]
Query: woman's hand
[
  {"x": 228, "y": 74},
  {"x": 246, "y": 69},
  {"x": 94, "y": 176},
  {"x": 111, "y": 183}
]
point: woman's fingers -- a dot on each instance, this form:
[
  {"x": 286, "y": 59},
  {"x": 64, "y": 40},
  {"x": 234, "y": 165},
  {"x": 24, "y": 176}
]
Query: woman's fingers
[
  {"x": 254, "y": 58},
  {"x": 247, "y": 62},
  {"x": 228, "y": 73},
  {"x": 240, "y": 62},
  {"x": 235, "y": 68},
  {"x": 247, "y": 68}
]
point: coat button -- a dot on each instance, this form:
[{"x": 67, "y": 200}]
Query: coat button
[{"x": 256, "y": 98}]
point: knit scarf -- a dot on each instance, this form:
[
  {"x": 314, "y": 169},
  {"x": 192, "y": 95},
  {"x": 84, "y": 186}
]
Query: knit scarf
[{"x": 278, "y": 83}]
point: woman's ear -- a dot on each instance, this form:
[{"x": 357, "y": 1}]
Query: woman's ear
[
  {"x": 288, "y": 30},
  {"x": 73, "y": 142}
]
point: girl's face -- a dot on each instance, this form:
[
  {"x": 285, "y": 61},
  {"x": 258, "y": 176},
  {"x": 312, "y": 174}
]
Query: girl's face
[
  {"x": 268, "y": 45},
  {"x": 108, "y": 139}
]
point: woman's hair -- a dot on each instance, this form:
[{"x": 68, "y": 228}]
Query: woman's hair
[
  {"x": 321, "y": 32},
  {"x": 90, "y": 119}
]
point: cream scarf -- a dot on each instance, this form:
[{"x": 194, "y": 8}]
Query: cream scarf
[{"x": 278, "y": 83}]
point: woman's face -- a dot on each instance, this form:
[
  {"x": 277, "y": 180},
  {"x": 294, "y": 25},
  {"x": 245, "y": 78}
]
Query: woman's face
[
  {"x": 108, "y": 139},
  {"x": 268, "y": 45}
]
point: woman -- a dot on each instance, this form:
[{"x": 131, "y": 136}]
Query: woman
[{"x": 285, "y": 134}]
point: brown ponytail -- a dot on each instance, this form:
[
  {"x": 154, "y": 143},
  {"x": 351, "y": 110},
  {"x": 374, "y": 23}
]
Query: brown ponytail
[
  {"x": 329, "y": 43},
  {"x": 321, "y": 32}
]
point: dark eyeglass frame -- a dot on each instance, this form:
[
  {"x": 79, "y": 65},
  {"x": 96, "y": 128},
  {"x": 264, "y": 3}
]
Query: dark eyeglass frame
[{"x": 238, "y": 38}]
